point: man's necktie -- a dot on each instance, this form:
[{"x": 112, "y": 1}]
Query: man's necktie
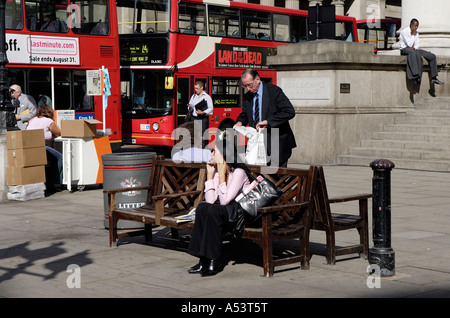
[{"x": 256, "y": 108}]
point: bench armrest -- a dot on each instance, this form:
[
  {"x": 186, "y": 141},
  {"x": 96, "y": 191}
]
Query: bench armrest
[
  {"x": 112, "y": 196},
  {"x": 350, "y": 198},
  {"x": 282, "y": 207},
  {"x": 159, "y": 202},
  {"x": 114, "y": 191},
  {"x": 174, "y": 195}
]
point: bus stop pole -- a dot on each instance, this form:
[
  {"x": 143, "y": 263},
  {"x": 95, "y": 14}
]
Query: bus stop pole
[
  {"x": 103, "y": 101},
  {"x": 53, "y": 87}
]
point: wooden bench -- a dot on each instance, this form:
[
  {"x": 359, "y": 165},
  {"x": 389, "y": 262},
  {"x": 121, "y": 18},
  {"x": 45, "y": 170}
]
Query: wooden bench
[
  {"x": 289, "y": 217},
  {"x": 324, "y": 220},
  {"x": 175, "y": 188},
  {"x": 178, "y": 188}
]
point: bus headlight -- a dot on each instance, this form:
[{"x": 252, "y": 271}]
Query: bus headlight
[{"x": 155, "y": 126}]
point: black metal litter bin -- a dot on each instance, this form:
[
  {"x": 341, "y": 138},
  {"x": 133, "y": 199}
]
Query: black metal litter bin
[{"x": 126, "y": 170}]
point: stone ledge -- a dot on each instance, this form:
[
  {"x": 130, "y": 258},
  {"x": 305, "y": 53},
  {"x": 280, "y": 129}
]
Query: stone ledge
[
  {"x": 333, "y": 54},
  {"x": 333, "y": 110}
]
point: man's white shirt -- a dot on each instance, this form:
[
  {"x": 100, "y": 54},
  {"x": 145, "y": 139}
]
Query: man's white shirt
[
  {"x": 406, "y": 39},
  {"x": 196, "y": 99}
]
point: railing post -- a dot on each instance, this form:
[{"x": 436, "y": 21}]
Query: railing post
[
  {"x": 4, "y": 102},
  {"x": 382, "y": 253}
]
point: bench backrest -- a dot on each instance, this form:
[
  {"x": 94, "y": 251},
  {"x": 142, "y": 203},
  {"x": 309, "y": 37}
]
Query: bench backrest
[
  {"x": 169, "y": 177},
  {"x": 322, "y": 212},
  {"x": 174, "y": 178}
]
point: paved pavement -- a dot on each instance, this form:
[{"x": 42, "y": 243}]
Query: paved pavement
[{"x": 57, "y": 247}]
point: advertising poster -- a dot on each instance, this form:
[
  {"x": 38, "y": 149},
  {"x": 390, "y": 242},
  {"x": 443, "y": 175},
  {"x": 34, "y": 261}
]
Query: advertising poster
[
  {"x": 94, "y": 82},
  {"x": 242, "y": 56},
  {"x": 37, "y": 49}
]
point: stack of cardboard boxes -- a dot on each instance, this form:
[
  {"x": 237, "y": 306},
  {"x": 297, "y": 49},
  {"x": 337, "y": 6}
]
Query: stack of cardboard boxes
[{"x": 27, "y": 157}]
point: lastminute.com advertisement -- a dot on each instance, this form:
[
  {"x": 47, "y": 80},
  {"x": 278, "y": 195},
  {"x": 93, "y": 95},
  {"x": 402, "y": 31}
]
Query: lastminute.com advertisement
[{"x": 37, "y": 49}]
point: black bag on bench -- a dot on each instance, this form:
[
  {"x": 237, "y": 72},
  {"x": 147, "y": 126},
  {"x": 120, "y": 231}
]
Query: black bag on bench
[{"x": 263, "y": 193}]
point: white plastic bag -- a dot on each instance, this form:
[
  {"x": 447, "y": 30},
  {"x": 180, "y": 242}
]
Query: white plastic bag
[{"x": 256, "y": 149}]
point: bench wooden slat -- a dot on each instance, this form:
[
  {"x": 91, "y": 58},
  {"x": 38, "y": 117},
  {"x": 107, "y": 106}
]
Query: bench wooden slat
[{"x": 136, "y": 215}]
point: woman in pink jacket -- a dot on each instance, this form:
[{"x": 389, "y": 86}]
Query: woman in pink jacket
[{"x": 225, "y": 179}]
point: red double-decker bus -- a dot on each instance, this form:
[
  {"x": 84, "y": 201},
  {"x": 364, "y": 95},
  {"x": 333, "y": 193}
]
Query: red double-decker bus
[
  {"x": 52, "y": 46},
  {"x": 167, "y": 45}
]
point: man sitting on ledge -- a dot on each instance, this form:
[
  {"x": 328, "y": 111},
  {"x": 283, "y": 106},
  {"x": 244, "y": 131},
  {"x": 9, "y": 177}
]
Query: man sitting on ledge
[{"x": 410, "y": 46}]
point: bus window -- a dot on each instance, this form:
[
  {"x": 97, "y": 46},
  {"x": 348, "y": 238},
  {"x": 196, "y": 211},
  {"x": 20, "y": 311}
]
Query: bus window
[
  {"x": 382, "y": 32},
  {"x": 93, "y": 19},
  {"x": 281, "y": 27},
  {"x": 65, "y": 97},
  {"x": 39, "y": 83},
  {"x": 223, "y": 22},
  {"x": 391, "y": 34},
  {"x": 17, "y": 76},
  {"x": 81, "y": 101},
  {"x": 256, "y": 25},
  {"x": 226, "y": 92},
  {"x": 191, "y": 18},
  {"x": 151, "y": 16},
  {"x": 144, "y": 94},
  {"x": 46, "y": 16},
  {"x": 344, "y": 31},
  {"x": 62, "y": 89},
  {"x": 125, "y": 90},
  {"x": 13, "y": 15},
  {"x": 183, "y": 97},
  {"x": 299, "y": 27}
]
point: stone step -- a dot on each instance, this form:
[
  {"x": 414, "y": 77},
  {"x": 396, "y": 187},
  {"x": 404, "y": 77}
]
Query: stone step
[
  {"x": 422, "y": 100},
  {"x": 406, "y": 144},
  {"x": 417, "y": 128},
  {"x": 400, "y": 163},
  {"x": 429, "y": 112},
  {"x": 418, "y": 139},
  {"x": 416, "y": 154},
  {"x": 438, "y": 103},
  {"x": 412, "y": 136},
  {"x": 433, "y": 106},
  {"x": 421, "y": 120}
]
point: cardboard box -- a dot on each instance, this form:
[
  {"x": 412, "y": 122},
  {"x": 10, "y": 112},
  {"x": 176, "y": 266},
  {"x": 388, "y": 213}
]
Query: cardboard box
[
  {"x": 63, "y": 114},
  {"x": 18, "y": 139},
  {"x": 25, "y": 175},
  {"x": 26, "y": 157},
  {"x": 79, "y": 128}
]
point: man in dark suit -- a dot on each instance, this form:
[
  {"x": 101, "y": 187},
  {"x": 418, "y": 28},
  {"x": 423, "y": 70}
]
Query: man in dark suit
[{"x": 273, "y": 110}]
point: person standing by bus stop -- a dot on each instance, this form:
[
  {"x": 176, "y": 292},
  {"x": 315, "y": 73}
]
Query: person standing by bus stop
[{"x": 201, "y": 115}]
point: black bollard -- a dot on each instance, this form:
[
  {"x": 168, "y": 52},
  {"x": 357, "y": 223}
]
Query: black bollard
[{"x": 382, "y": 253}]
